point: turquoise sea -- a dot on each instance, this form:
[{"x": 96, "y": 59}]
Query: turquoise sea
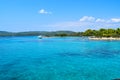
[{"x": 55, "y": 58}]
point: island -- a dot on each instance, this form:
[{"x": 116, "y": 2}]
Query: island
[{"x": 101, "y": 34}]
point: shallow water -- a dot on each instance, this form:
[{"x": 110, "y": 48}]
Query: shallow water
[{"x": 70, "y": 58}]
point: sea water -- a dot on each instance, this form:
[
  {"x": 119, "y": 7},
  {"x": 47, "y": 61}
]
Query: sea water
[{"x": 58, "y": 58}]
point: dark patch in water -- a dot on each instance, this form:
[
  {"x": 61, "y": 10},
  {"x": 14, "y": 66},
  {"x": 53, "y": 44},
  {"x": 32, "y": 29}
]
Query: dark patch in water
[
  {"x": 12, "y": 63},
  {"x": 103, "y": 53},
  {"x": 116, "y": 79},
  {"x": 5, "y": 68},
  {"x": 14, "y": 78},
  {"x": 70, "y": 54},
  {"x": 73, "y": 54},
  {"x": 98, "y": 53}
]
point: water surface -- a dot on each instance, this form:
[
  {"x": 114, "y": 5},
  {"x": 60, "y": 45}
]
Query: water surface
[{"x": 69, "y": 58}]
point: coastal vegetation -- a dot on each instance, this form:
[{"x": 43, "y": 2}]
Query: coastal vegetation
[
  {"x": 103, "y": 32},
  {"x": 97, "y": 33}
]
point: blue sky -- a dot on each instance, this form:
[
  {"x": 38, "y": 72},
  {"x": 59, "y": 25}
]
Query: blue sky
[{"x": 53, "y": 15}]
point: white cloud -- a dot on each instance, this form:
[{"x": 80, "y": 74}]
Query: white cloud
[
  {"x": 42, "y": 11},
  {"x": 87, "y": 22},
  {"x": 87, "y": 18},
  {"x": 100, "y": 20},
  {"x": 115, "y": 19}
]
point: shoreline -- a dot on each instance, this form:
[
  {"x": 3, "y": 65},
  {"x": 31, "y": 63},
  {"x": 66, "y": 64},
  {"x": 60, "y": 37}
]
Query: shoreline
[{"x": 103, "y": 38}]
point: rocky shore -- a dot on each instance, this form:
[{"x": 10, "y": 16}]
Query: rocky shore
[{"x": 103, "y": 38}]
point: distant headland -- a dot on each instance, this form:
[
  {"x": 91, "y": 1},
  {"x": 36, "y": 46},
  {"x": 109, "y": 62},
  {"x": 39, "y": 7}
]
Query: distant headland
[{"x": 93, "y": 34}]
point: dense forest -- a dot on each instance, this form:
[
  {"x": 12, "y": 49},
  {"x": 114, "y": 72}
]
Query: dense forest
[
  {"x": 97, "y": 33},
  {"x": 103, "y": 32}
]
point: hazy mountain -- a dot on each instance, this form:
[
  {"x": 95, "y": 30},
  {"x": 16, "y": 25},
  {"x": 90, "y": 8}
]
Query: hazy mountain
[{"x": 36, "y": 33}]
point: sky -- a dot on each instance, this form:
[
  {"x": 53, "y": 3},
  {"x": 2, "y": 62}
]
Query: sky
[{"x": 54, "y": 15}]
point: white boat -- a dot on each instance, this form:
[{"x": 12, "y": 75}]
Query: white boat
[{"x": 40, "y": 37}]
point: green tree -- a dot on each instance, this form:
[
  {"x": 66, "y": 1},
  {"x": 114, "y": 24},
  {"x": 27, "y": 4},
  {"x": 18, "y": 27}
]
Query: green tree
[{"x": 89, "y": 32}]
